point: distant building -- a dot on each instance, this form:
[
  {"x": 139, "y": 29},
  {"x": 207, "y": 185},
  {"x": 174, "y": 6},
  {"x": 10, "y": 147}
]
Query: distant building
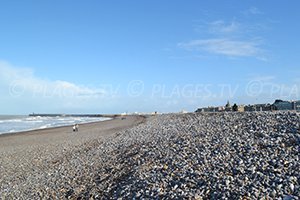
[
  {"x": 283, "y": 105},
  {"x": 258, "y": 107},
  {"x": 200, "y": 110},
  {"x": 250, "y": 108},
  {"x": 277, "y": 105},
  {"x": 208, "y": 109},
  {"x": 241, "y": 108},
  {"x": 221, "y": 108},
  {"x": 263, "y": 107},
  {"x": 296, "y": 105},
  {"x": 228, "y": 107}
]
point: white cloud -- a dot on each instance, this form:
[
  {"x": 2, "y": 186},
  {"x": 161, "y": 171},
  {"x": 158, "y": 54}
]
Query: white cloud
[
  {"x": 8, "y": 72},
  {"x": 221, "y": 27},
  {"x": 252, "y": 11},
  {"x": 238, "y": 37},
  {"x": 225, "y": 46},
  {"x": 24, "y": 78},
  {"x": 22, "y": 91},
  {"x": 266, "y": 78}
]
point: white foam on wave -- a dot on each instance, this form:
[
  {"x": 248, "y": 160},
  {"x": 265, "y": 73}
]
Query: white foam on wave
[
  {"x": 32, "y": 123},
  {"x": 45, "y": 126},
  {"x": 61, "y": 119},
  {"x": 36, "y": 121},
  {"x": 14, "y": 120},
  {"x": 34, "y": 118}
]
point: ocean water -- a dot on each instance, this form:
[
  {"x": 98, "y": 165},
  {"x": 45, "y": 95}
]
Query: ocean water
[{"x": 17, "y": 123}]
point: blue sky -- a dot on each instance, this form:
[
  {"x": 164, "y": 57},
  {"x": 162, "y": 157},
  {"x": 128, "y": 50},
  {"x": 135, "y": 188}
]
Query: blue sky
[{"x": 127, "y": 56}]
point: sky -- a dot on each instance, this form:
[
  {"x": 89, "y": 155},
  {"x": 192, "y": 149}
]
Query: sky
[{"x": 72, "y": 56}]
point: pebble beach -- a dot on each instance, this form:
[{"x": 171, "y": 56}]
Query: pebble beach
[{"x": 250, "y": 155}]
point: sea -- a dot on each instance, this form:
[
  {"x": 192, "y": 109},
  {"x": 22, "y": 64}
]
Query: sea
[{"x": 19, "y": 123}]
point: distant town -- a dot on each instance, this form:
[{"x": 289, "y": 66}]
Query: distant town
[{"x": 277, "y": 105}]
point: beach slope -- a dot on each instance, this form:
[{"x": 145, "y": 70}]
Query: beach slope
[{"x": 230, "y": 155}]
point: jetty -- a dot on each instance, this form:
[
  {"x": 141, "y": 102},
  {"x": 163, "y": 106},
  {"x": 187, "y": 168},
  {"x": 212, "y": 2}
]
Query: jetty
[{"x": 73, "y": 115}]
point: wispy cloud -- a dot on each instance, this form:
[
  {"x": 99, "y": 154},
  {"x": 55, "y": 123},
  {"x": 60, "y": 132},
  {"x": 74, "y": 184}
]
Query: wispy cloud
[
  {"x": 252, "y": 11},
  {"x": 225, "y": 46},
  {"x": 263, "y": 78},
  {"x": 221, "y": 27},
  {"x": 238, "y": 37}
]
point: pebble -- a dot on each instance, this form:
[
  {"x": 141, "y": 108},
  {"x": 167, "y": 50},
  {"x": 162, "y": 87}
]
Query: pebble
[
  {"x": 292, "y": 187},
  {"x": 177, "y": 156}
]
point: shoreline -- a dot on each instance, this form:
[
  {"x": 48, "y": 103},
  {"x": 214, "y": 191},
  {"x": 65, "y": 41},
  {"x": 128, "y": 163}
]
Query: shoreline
[
  {"x": 49, "y": 128},
  {"x": 64, "y": 134}
]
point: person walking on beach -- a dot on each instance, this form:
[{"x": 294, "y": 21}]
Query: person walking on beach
[{"x": 75, "y": 128}]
